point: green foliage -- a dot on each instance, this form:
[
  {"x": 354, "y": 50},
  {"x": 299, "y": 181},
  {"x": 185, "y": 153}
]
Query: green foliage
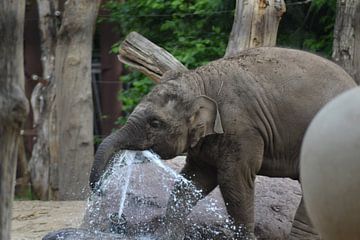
[
  {"x": 309, "y": 26},
  {"x": 97, "y": 140},
  {"x": 197, "y": 31},
  {"x": 136, "y": 86}
]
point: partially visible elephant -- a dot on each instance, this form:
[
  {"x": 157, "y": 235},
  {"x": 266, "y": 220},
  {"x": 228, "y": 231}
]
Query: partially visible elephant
[
  {"x": 236, "y": 118},
  {"x": 330, "y": 168}
]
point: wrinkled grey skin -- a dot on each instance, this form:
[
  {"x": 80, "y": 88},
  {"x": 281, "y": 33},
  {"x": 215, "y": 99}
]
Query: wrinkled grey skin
[{"x": 235, "y": 118}]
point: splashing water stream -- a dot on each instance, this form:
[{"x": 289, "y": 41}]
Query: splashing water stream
[
  {"x": 129, "y": 157},
  {"x": 156, "y": 159}
]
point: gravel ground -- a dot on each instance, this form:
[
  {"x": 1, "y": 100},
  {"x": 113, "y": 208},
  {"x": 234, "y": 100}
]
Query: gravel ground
[{"x": 34, "y": 219}]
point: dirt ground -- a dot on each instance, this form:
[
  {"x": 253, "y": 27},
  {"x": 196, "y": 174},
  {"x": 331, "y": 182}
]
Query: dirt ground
[{"x": 34, "y": 219}]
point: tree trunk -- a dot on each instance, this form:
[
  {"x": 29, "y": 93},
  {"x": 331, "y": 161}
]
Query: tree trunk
[
  {"x": 346, "y": 47},
  {"x": 74, "y": 97},
  {"x": 13, "y": 103},
  {"x": 255, "y": 24},
  {"x": 42, "y": 101}
]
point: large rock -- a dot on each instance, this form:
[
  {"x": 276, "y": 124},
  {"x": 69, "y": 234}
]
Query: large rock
[{"x": 146, "y": 199}]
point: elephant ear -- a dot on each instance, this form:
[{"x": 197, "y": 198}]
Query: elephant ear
[{"x": 205, "y": 119}]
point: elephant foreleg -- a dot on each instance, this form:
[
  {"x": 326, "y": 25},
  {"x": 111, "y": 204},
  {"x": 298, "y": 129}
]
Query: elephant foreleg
[
  {"x": 236, "y": 178},
  {"x": 185, "y": 195},
  {"x": 302, "y": 227}
]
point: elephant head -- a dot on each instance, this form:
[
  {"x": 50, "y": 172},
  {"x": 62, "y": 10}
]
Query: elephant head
[{"x": 169, "y": 120}]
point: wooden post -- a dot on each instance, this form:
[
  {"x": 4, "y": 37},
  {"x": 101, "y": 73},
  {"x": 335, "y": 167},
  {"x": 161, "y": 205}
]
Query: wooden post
[
  {"x": 13, "y": 104},
  {"x": 346, "y": 46},
  {"x": 255, "y": 24},
  {"x": 74, "y": 107}
]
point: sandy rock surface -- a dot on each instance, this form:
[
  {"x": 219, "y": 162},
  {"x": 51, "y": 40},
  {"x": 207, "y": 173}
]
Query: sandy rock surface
[{"x": 34, "y": 219}]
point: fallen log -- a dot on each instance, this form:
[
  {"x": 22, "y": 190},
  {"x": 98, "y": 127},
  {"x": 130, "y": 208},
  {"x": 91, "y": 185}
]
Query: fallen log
[{"x": 143, "y": 55}]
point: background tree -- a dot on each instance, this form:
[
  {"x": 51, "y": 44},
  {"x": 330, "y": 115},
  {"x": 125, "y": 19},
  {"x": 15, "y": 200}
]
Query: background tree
[
  {"x": 43, "y": 158},
  {"x": 13, "y": 103},
  {"x": 346, "y": 48},
  {"x": 74, "y": 107}
]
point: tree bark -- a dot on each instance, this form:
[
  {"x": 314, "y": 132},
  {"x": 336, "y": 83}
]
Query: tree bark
[
  {"x": 74, "y": 97},
  {"x": 255, "y": 24},
  {"x": 148, "y": 58},
  {"x": 13, "y": 103},
  {"x": 42, "y": 100},
  {"x": 346, "y": 46}
]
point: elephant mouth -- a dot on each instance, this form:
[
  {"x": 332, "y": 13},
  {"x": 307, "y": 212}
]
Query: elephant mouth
[{"x": 165, "y": 154}]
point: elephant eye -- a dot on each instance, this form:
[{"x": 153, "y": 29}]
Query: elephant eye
[{"x": 154, "y": 123}]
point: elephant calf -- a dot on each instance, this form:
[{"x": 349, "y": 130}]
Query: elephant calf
[{"x": 236, "y": 118}]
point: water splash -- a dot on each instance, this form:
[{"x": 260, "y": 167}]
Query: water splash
[{"x": 122, "y": 192}]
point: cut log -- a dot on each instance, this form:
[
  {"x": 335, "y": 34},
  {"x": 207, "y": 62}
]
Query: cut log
[
  {"x": 148, "y": 58},
  {"x": 13, "y": 104},
  {"x": 255, "y": 24}
]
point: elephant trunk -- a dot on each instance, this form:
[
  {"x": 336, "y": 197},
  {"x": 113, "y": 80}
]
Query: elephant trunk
[{"x": 128, "y": 137}]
